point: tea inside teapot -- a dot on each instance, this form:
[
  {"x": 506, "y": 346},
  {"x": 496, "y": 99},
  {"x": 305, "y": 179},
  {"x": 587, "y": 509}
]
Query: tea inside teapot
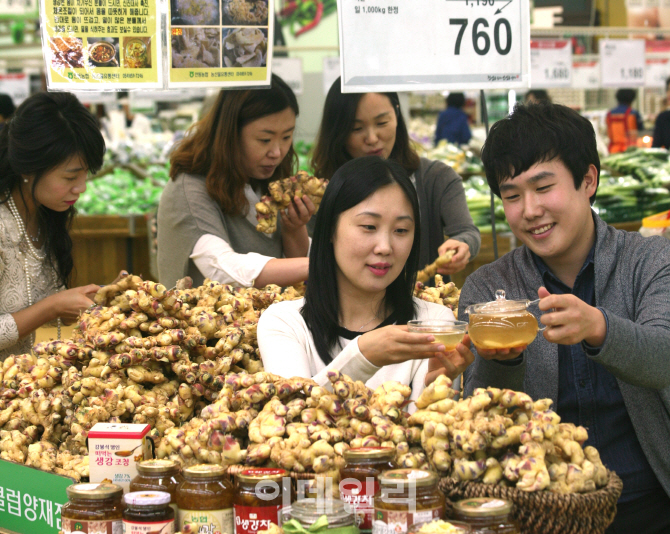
[
  {"x": 497, "y": 332},
  {"x": 502, "y": 323}
]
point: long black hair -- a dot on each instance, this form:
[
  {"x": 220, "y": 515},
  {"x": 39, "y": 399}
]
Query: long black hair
[
  {"x": 353, "y": 182},
  {"x": 48, "y": 129},
  {"x": 339, "y": 114}
]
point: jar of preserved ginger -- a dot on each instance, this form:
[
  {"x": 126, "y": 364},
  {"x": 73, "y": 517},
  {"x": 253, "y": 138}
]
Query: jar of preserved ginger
[
  {"x": 360, "y": 480},
  {"x": 406, "y": 497},
  {"x": 148, "y": 512},
  {"x": 487, "y": 515},
  {"x": 158, "y": 475},
  {"x": 259, "y": 497},
  {"x": 93, "y": 508},
  {"x": 205, "y": 499}
]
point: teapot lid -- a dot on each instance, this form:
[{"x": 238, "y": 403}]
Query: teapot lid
[{"x": 501, "y": 305}]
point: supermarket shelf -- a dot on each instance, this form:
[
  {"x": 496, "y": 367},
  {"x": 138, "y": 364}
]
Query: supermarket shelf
[{"x": 603, "y": 31}]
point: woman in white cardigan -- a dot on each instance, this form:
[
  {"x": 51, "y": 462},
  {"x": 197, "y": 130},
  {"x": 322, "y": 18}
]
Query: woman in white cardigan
[{"x": 359, "y": 298}]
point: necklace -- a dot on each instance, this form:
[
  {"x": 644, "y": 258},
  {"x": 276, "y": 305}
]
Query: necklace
[
  {"x": 32, "y": 251},
  {"x": 366, "y": 324}
]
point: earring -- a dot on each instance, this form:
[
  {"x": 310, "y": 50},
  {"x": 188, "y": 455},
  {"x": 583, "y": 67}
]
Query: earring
[{"x": 25, "y": 180}]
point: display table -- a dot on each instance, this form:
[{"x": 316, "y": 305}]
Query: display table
[{"x": 104, "y": 245}]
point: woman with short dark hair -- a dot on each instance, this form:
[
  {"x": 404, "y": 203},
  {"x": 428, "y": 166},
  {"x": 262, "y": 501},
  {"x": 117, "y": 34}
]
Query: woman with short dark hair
[
  {"x": 207, "y": 215},
  {"x": 365, "y": 124},
  {"x": 359, "y": 298},
  {"x": 47, "y": 150}
]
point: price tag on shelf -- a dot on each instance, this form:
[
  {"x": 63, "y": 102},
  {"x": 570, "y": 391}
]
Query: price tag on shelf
[
  {"x": 18, "y": 9},
  {"x": 622, "y": 62},
  {"x": 550, "y": 63},
  {"x": 657, "y": 71},
  {"x": 289, "y": 69},
  {"x": 396, "y": 45},
  {"x": 586, "y": 74},
  {"x": 16, "y": 85},
  {"x": 331, "y": 72}
]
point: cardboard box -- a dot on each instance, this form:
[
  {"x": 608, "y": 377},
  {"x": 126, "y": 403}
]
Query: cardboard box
[{"x": 114, "y": 450}]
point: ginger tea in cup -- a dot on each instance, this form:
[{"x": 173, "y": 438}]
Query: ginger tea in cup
[{"x": 446, "y": 332}]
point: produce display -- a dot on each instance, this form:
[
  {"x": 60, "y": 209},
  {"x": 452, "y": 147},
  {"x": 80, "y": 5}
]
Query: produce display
[
  {"x": 640, "y": 192},
  {"x": 186, "y": 361},
  {"x": 503, "y": 437},
  {"x": 122, "y": 193},
  {"x": 478, "y": 198},
  {"x": 422, "y": 133},
  {"x": 304, "y": 15},
  {"x": 282, "y": 193}
]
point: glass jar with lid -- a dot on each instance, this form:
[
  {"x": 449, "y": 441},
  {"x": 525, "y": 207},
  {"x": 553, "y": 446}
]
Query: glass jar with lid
[
  {"x": 92, "y": 508},
  {"x": 205, "y": 499},
  {"x": 439, "y": 526},
  {"x": 158, "y": 475},
  {"x": 260, "y": 495},
  {"x": 487, "y": 515},
  {"x": 330, "y": 514},
  {"x": 147, "y": 512},
  {"x": 360, "y": 480},
  {"x": 406, "y": 497}
]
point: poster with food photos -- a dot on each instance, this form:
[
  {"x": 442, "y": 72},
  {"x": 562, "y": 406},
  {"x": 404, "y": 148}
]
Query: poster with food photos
[
  {"x": 101, "y": 44},
  {"x": 220, "y": 43}
]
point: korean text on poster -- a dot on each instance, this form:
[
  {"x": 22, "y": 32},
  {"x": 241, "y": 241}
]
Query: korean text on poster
[
  {"x": 403, "y": 45},
  {"x": 101, "y": 44},
  {"x": 219, "y": 43}
]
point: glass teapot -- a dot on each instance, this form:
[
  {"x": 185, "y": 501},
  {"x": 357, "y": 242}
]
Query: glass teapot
[{"x": 502, "y": 323}]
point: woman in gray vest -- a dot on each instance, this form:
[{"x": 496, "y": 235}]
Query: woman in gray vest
[
  {"x": 370, "y": 124},
  {"x": 219, "y": 171}
]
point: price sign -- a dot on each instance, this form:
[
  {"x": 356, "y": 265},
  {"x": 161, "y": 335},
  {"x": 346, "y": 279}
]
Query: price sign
[
  {"x": 622, "y": 62},
  {"x": 586, "y": 75},
  {"x": 550, "y": 63},
  {"x": 17, "y": 86},
  {"x": 290, "y": 70},
  {"x": 18, "y": 9},
  {"x": 397, "y": 45},
  {"x": 657, "y": 71},
  {"x": 331, "y": 72}
]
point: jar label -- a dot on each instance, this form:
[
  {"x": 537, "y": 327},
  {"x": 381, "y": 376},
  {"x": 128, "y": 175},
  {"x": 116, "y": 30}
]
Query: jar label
[
  {"x": 391, "y": 522},
  {"x": 153, "y": 527},
  {"x": 207, "y": 521},
  {"x": 360, "y": 497},
  {"x": 251, "y": 519},
  {"x": 76, "y": 526}
]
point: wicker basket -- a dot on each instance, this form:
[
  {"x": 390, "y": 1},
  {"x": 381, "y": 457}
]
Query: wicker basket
[{"x": 545, "y": 512}]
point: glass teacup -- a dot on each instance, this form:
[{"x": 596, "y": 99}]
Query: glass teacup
[{"x": 446, "y": 332}]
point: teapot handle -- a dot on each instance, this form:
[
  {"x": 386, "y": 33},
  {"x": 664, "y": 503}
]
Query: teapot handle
[{"x": 530, "y": 303}]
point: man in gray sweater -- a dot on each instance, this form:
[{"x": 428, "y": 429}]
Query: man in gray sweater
[{"x": 604, "y": 359}]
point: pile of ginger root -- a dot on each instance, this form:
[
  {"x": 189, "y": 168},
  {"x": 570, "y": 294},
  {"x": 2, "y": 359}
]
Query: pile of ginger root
[
  {"x": 142, "y": 354},
  {"x": 501, "y": 436},
  {"x": 185, "y": 361}
]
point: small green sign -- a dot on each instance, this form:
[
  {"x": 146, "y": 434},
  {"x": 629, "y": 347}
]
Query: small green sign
[{"x": 30, "y": 499}]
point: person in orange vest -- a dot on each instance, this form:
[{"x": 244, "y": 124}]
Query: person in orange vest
[{"x": 623, "y": 122}]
